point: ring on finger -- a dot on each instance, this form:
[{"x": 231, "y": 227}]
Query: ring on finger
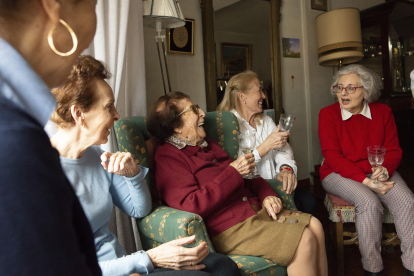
[
  {"x": 384, "y": 176},
  {"x": 191, "y": 263}
]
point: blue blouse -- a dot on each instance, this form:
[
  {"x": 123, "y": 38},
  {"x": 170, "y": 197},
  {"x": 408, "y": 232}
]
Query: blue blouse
[{"x": 98, "y": 190}]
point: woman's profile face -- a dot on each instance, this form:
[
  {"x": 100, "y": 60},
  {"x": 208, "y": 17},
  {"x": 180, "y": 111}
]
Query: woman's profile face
[
  {"x": 192, "y": 128},
  {"x": 102, "y": 115},
  {"x": 351, "y": 102},
  {"x": 253, "y": 100}
]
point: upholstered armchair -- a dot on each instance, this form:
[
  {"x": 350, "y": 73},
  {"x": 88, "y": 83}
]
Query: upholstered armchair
[{"x": 164, "y": 223}]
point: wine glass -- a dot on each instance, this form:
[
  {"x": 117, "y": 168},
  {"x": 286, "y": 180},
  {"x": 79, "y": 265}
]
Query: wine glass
[
  {"x": 376, "y": 155},
  {"x": 286, "y": 123},
  {"x": 247, "y": 142}
]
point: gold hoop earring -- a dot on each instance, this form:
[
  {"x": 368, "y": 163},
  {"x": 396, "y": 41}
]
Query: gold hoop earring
[{"x": 73, "y": 35}]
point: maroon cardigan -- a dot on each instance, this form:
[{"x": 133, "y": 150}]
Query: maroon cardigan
[{"x": 200, "y": 180}]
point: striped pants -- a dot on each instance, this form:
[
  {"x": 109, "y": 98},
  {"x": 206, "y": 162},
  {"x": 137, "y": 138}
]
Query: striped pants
[{"x": 368, "y": 216}]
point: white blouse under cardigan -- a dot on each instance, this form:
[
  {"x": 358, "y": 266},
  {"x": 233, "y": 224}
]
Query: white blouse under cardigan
[{"x": 269, "y": 165}]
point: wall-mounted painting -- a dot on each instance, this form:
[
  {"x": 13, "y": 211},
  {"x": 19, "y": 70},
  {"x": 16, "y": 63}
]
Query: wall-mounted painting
[
  {"x": 235, "y": 58},
  {"x": 181, "y": 40},
  {"x": 319, "y": 5},
  {"x": 291, "y": 47}
]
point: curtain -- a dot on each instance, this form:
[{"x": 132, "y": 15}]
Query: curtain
[{"x": 119, "y": 43}]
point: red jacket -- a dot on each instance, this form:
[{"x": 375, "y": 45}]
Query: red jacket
[
  {"x": 344, "y": 143},
  {"x": 200, "y": 180}
]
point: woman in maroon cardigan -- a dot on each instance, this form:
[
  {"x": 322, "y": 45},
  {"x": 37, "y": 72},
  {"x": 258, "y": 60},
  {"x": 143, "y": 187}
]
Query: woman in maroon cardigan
[
  {"x": 194, "y": 174},
  {"x": 346, "y": 129}
]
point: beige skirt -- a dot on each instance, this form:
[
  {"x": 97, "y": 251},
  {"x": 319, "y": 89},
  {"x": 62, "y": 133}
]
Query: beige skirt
[{"x": 261, "y": 236}]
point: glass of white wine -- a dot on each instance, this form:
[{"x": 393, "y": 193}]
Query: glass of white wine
[
  {"x": 247, "y": 142},
  {"x": 376, "y": 155}
]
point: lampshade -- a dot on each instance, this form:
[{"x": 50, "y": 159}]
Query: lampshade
[
  {"x": 339, "y": 36},
  {"x": 168, "y": 12}
]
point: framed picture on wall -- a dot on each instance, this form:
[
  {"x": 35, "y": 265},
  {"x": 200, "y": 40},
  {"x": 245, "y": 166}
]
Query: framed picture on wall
[
  {"x": 319, "y": 5},
  {"x": 181, "y": 40},
  {"x": 235, "y": 58}
]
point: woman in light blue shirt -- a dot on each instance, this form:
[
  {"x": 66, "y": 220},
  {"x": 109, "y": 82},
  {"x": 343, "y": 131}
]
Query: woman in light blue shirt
[{"x": 84, "y": 116}]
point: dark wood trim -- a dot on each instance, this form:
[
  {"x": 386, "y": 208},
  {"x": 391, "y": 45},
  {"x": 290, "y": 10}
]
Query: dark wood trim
[
  {"x": 274, "y": 18},
  {"x": 209, "y": 54}
]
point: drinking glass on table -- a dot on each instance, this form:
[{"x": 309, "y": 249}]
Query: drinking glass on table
[
  {"x": 376, "y": 155},
  {"x": 247, "y": 142},
  {"x": 286, "y": 123}
]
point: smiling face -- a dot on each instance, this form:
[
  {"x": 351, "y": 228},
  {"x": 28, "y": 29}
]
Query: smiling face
[
  {"x": 192, "y": 128},
  {"x": 351, "y": 102},
  {"x": 252, "y": 101},
  {"x": 102, "y": 115}
]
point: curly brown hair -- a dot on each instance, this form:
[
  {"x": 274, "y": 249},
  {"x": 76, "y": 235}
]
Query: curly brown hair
[
  {"x": 79, "y": 89},
  {"x": 162, "y": 117}
]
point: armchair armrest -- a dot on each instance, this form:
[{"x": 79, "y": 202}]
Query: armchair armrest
[
  {"x": 165, "y": 224},
  {"x": 287, "y": 200}
]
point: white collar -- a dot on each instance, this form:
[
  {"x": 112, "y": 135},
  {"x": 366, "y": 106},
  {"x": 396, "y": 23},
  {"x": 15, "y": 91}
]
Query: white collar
[{"x": 365, "y": 112}]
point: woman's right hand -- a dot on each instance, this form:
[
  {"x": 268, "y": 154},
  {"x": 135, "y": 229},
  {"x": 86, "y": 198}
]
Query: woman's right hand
[
  {"x": 388, "y": 185},
  {"x": 173, "y": 255},
  {"x": 244, "y": 164},
  {"x": 277, "y": 139}
]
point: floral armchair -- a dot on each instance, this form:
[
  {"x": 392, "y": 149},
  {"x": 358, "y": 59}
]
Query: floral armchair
[{"x": 164, "y": 223}]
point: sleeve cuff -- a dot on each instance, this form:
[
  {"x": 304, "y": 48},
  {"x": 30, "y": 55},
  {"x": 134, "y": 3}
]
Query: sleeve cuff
[
  {"x": 139, "y": 177},
  {"x": 257, "y": 157},
  {"x": 290, "y": 164}
]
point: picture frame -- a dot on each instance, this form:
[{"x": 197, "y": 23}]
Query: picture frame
[
  {"x": 235, "y": 58},
  {"x": 321, "y": 5},
  {"x": 181, "y": 40}
]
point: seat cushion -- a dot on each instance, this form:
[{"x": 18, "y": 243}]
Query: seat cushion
[
  {"x": 342, "y": 211},
  {"x": 249, "y": 265}
]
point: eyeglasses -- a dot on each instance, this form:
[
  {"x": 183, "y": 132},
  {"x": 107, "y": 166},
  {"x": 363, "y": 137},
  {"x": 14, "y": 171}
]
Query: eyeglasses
[
  {"x": 193, "y": 107},
  {"x": 349, "y": 89}
]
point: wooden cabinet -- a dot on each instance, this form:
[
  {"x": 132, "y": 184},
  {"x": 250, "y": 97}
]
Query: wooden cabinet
[{"x": 388, "y": 40}]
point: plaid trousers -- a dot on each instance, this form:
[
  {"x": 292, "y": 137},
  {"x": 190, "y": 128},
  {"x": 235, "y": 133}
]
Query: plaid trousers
[{"x": 368, "y": 216}]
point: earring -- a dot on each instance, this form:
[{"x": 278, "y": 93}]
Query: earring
[
  {"x": 83, "y": 125},
  {"x": 244, "y": 102},
  {"x": 74, "y": 40}
]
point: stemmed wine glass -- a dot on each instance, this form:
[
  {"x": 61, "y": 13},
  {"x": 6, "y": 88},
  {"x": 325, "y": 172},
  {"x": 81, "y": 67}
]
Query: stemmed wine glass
[
  {"x": 247, "y": 142},
  {"x": 286, "y": 123},
  {"x": 376, "y": 155}
]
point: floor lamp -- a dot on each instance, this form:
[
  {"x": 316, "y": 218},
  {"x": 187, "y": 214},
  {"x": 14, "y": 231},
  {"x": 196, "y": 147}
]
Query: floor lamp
[
  {"x": 339, "y": 37},
  {"x": 162, "y": 14}
]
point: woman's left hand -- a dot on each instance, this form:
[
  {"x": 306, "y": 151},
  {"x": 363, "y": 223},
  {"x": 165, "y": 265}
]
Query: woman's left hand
[
  {"x": 273, "y": 206},
  {"x": 288, "y": 179},
  {"x": 120, "y": 163},
  {"x": 380, "y": 173}
]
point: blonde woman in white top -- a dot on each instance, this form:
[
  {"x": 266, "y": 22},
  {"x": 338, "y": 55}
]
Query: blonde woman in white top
[{"x": 273, "y": 154}]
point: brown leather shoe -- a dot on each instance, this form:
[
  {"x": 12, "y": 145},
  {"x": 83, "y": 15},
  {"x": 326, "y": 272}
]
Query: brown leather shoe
[{"x": 367, "y": 273}]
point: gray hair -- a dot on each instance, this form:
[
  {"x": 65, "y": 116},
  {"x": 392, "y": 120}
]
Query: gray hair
[{"x": 370, "y": 80}]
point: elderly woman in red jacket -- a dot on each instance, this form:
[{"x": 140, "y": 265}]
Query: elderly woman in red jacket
[
  {"x": 346, "y": 129},
  {"x": 242, "y": 216}
]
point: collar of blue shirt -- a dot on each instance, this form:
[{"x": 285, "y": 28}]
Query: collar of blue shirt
[{"x": 20, "y": 84}]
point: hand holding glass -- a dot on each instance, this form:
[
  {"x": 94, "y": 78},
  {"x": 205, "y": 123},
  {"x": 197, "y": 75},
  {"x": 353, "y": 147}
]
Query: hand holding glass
[
  {"x": 376, "y": 155},
  {"x": 286, "y": 123},
  {"x": 247, "y": 142}
]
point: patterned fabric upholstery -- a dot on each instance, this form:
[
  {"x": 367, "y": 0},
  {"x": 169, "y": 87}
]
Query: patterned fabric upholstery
[
  {"x": 342, "y": 211},
  {"x": 164, "y": 223}
]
